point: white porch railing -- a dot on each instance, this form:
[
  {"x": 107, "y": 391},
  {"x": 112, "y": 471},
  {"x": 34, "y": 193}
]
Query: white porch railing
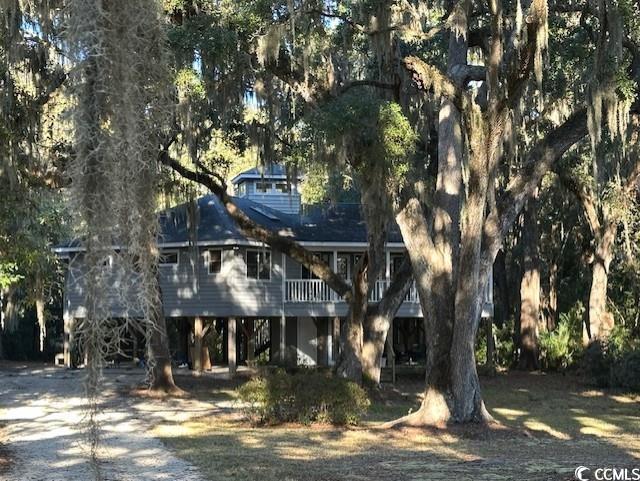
[
  {"x": 315, "y": 290},
  {"x": 308, "y": 290},
  {"x": 381, "y": 287}
]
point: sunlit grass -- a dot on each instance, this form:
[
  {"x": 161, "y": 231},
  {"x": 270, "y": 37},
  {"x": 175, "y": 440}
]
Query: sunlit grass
[{"x": 554, "y": 425}]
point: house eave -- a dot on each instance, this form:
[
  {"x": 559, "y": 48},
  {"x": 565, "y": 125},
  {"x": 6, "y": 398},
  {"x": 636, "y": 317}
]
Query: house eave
[{"x": 328, "y": 245}]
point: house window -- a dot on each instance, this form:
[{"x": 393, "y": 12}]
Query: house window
[
  {"x": 214, "y": 260},
  {"x": 307, "y": 274},
  {"x": 343, "y": 266},
  {"x": 241, "y": 189},
  {"x": 396, "y": 263},
  {"x": 263, "y": 186},
  {"x": 283, "y": 187},
  {"x": 168, "y": 258},
  {"x": 347, "y": 263},
  {"x": 258, "y": 264}
]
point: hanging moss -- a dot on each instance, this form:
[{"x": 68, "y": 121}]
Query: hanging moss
[{"x": 119, "y": 89}]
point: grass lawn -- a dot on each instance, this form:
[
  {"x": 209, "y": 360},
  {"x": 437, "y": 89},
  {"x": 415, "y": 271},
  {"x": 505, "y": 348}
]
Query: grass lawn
[{"x": 556, "y": 425}]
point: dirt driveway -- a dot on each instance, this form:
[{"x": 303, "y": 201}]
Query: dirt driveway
[{"x": 41, "y": 411}]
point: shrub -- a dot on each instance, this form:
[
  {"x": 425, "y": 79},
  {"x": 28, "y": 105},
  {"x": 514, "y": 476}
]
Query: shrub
[
  {"x": 626, "y": 371},
  {"x": 596, "y": 364},
  {"x": 308, "y": 396},
  {"x": 561, "y": 348},
  {"x": 503, "y": 345},
  {"x": 614, "y": 363}
]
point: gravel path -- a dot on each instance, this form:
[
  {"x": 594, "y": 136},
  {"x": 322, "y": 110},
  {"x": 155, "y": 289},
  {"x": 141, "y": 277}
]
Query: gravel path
[{"x": 42, "y": 410}]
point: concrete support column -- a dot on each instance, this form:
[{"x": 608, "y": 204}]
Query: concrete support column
[
  {"x": 283, "y": 340},
  {"x": 198, "y": 335},
  {"x": 231, "y": 345},
  {"x": 68, "y": 339},
  {"x": 335, "y": 328},
  {"x": 251, "y": 339}
]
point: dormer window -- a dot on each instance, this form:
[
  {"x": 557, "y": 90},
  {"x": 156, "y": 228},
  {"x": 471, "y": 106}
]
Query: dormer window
[
  {"x": 283, "y": 187},
  {"x": 270, "y": 186},
  {"x": 263, "y": 187}
]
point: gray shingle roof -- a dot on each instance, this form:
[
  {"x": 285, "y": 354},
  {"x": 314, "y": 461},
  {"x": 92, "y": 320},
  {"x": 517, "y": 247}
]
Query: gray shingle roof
[
  {"x": 210, "y": 223},
  {"x": 317, "y": 223}
]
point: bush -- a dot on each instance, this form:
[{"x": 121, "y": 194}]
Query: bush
[
  {"x": 626, "y": 372},
  {"x": 614, "y": 363},
  {"x": 503, "y": 345},
  {"x": 308, "y": 396},
  {"x": 561, "y": 348},
  {"x": 596, "y": 364}
]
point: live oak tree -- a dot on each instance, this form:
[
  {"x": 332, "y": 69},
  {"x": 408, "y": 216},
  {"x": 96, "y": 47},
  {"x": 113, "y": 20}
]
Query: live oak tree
[
  {"x": 453, "y": 391},
  {"x": 453, "y": 224},
  {"x": 439, "y": 113},
  {"x": 30, "y": 159},
  {"x": 276, "y": 93},
  {"x": 445, "y": 243}
]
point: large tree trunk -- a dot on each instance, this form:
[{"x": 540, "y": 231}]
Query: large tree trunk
[
  {"x": 529, "y": 290},
  {"x": 349, "y": 364},
  {"x": 503, "y": 298},
  {"x": 468, "y": 405},
  {"x": 600, "y": 319},
  {"x": 40, "y": 312},
  {"x": 378, "y": 322},
  {"x": 159, "y": 355},
  {"x": 160, "y": 358},
  {"x": 427, "y": 265},
  {"x": 552, "y": 317}
]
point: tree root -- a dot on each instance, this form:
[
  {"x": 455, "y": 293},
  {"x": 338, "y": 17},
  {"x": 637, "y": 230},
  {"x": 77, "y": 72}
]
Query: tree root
[{"x": 437, "y": 411}]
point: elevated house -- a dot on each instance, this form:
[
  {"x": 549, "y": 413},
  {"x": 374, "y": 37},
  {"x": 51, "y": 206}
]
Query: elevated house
[{"x": 261, "y": 303}]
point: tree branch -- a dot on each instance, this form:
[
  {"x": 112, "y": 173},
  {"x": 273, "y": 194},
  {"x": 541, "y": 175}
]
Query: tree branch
[
  {"x": 586, "y": 198},
  {"x": 257, "y": 232},
  {"x": 539, "y": 161},
  {"x": 431, "y": 79},
  {"x": 366, "y": 83}
]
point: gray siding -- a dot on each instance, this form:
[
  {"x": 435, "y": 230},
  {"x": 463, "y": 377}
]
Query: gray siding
[
  {"x": 287, "y": 203},
  {"x": 189, "y": 290}
]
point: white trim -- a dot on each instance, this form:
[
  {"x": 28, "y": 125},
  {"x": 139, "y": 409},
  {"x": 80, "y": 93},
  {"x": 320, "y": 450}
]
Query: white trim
[
  {"x": 243, "y": 243},
  {"x": 207, "y": 261},
  {"x": 387, "y": 261},
  {"x": 265, "y": 176}
]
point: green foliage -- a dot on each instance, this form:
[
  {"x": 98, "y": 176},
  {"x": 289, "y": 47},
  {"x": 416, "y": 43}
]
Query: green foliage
[
  {"x": 560, "y": 348},
  {"x": 322, "y": 184},
  {"x": 626, "y": 370},
  {"x": 367, "y": 132},
  {"x": 307, "y": 396},
  {"x": 9, "y": 274},
  {"x": 505, "y": 348},
  {"x": 504, "y": 351},
  {"x": 189, "y": 84},
  {"x": 614, "y": 363}
]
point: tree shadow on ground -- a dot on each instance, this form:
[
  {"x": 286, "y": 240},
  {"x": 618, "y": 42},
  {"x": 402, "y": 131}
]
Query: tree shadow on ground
[{"x": 547, "y": 437}]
